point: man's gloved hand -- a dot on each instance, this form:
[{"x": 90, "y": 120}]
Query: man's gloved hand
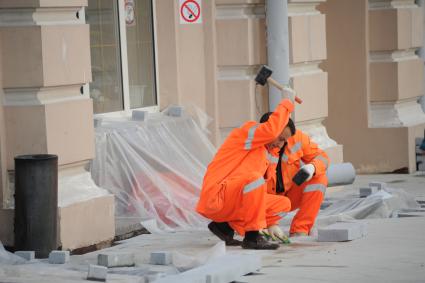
[
  {"x": 275, "y": 233},
  {"x": 304, "y": 174},
  {"x": 310, "y": 169}
]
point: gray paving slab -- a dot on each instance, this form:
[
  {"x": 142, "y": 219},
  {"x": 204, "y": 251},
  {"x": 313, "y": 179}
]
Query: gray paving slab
[
  {"x": 378, "y": 185},
  {"x": 97, "y": 273},
  {"x": 116, "y": 259},
  {"x": 365, "y": 192},
  {"x": 161, "y": 258},
  {"x": 28, "y": 255},
  {"x": 59, "y": 257},
  {"x": 342, "y": 231}
]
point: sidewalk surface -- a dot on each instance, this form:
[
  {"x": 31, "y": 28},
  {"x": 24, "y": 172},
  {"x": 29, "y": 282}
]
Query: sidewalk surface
[{"x": 393, "y": 251}]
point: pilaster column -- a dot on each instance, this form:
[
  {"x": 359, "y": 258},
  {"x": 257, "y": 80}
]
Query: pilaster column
[
  {"x": 45, "y": 50},
  {"x": 396, "y": 71},
  {"x": 241, "y": 49}
]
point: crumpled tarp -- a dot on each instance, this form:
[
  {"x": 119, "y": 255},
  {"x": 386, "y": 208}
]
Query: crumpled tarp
[
  {"x": 347, "y": 206},
  {"x": 8, "y": 258},
  {"x": 154, "y": 168}
]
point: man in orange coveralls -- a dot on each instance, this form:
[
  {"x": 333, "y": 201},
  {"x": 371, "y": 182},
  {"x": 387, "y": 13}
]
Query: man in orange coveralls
[
  {"x": 234, "y": 192},
  {"x": 299, "y": 153}
]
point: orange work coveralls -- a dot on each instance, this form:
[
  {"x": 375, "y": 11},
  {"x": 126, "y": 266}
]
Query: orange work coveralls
[
  {"x": 235, "y": 184},
  {"x": 308, "y": 197}
]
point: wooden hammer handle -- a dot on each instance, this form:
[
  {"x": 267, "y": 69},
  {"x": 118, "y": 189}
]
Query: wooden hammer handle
[
  {"x": 280, "y": 87},
  {"x": 298, "y": 100},
  {"x": 275, "y": 83}
]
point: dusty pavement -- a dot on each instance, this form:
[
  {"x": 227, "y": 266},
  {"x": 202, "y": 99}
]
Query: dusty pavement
[{"x": 393, "y": 251}]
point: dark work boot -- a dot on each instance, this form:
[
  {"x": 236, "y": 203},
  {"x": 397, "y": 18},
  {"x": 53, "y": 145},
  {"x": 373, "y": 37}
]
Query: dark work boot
[
  {"x": 254, "y": 241},
  {"x": 224, "y": 232}
]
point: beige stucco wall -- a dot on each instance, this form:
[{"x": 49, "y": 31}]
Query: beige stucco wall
[
  {"x": 79, "y": 223},
  {"x": 187, "y": 59},
  {"x": 213, "y": 64},
  {"x": 355, "y": 83}
]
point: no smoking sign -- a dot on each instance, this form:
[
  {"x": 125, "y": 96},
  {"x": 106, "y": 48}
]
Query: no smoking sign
[{"x": 190, "y": 11}]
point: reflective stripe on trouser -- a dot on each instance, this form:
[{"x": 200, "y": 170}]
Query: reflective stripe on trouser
[
  {"x": 258, "y": 208},
  {"x": 308, "y": 199},
  {"x": 273, "y": 206}
]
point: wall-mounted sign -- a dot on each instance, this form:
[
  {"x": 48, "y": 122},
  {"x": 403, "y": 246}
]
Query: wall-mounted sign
[
  {"x": 190, "y": 11},
  {"x": 130, "y": 19}
]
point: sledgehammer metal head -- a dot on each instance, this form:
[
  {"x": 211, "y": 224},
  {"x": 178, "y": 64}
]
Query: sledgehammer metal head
[{"x": 263, "y": 74}]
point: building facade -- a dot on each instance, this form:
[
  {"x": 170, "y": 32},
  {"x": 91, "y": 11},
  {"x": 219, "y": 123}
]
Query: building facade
[{"x": 64, "y": 62}]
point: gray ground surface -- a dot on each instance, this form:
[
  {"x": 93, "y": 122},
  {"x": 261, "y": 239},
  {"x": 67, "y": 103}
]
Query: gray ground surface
[{"x": 393, "y": 251}]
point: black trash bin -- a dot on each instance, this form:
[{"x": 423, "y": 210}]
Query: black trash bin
[{"x": 36, "y": 203}]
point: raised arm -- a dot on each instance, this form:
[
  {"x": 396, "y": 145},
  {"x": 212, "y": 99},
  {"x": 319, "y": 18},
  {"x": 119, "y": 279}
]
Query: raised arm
[{"x": 260, "y": 134}]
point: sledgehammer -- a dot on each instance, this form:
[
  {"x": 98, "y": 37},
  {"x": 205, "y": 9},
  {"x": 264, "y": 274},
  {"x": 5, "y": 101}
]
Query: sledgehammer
[{"x": 263, "y": 77}]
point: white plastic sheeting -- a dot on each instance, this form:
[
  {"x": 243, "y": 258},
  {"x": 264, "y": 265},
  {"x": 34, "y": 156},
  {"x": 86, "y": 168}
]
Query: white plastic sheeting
[
  {"x": 154, "y": 168},
  {"x": 78, "y": 188},
  {"x": 347, "y": 205},
  {"x": 8, "y": 258},
  {"x": 185, "y": 262}
]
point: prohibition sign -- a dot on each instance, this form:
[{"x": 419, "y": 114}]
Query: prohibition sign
[{"x": 190, "y": 11}]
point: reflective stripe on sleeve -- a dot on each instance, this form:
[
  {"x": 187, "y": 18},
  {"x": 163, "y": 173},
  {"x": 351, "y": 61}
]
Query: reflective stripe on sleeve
[
  {"x": 296, "y": 147},
  {"x": 324, "y": 160},
  {"x": 251, "y": 132},
  {"x": 272, "y": 158},
  {"x": 253, "y": 185},
  {"x": 284, "y": 158}
]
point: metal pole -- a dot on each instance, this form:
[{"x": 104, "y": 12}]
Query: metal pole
[{"x": 277, "y": 46}]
